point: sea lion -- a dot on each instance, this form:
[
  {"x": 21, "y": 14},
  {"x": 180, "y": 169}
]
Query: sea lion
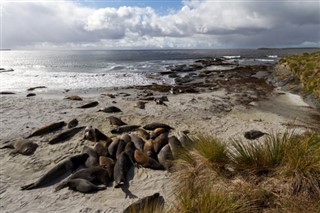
[
  {"x": 148, "y": 148},
  {"x": 68, "y": 165},
  {"x": 121, "y": 146},
  {"x": 138, "y": 142},
  {"x": 144, "y": 160},
  {"x": 112, "y": 148},
  {"x": 124, "y": 128},
  {"x": 47, "y": 129},
  {"x": 157, "y": 132},
  {"x": 126, "y": 138},
  {"x": 185, "y": 140},
  {"x": 154, "y": 126},
  {"x": 153, "y": 203},
  {"x": 38, "y": 87},
  {"x": 90, "y": 134},
  {"x": 110, "y": 109},
  {"x": 93, "y": 159},
  {"x": 175, "y": 146},
  {"x": 140, "y": 104},
  {"x": 129, "y": 150},
  {"x": 108, "y": 164},
  {"x": 160, "y": 142},
  {"x": 253, "y": 134},
  {"x": 143, "y": 134},
  {"x": 95, "y": 175},
  {"x": 73, "y": 123},
  {"x": 83, "y": 185},
  {"x": 160, "y": 102},
  {"x": 165, "y": 157},
  {"x": 21, "y": 146},
  {"x": 121, "y": 168},
  {"x": 67, "y": 134},
  {"x": 74, "y": 98},
  {"x": 101, "y": 149},
  {"x": 116, "y": 121},
  {"x": 89, "y": 105}
]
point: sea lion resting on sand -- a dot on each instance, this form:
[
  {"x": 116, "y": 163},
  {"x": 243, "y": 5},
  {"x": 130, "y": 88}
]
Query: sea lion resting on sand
[
  {"x": 68, "y": 165},
  {"x": 24, "y": 147},
  {"x": 83, "y": 185},
  {"x": 48, "y": 128},
  {"x": 153, "y": 203},
  {"x": 121, "y": 168}
]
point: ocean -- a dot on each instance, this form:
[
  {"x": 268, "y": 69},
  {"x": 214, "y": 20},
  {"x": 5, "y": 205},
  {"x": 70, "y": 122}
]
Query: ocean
[{"x": 94, "y": 69}]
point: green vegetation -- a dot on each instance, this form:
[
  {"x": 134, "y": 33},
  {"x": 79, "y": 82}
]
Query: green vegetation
[
  {"x": 306, "y": 68},
  {"x": 279, "y": 174}
]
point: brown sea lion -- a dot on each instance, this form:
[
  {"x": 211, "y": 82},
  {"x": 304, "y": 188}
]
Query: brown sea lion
[
  {"x": 65, "y": 135},
  {"x": 21, "y": 146},
  {"x": 47, "y": 129},
  {"x": 157, "y": 132},
  {"x": 165, "y": 157},
  {"x": 154, "y": 126},
  {"x": 74, "y": 98},
  {"x": 121, "y": 168},
  {"x": 116, "y": 121},
  {"x": 112, "y": 148},
  {"x": 153, "y": 203},
  {"x": 143, "y": 134},
  {"x": 101, "y": 149},
  {"x": 124, "y": 128},
  {"x": 89, "y": 105},
  {"x": 83, "y": 185},
  {"x": 73, "y": 123},
  {"x": 95, "y": 175},
  {"x": 138, "y": 142},
  {"x": 160, "y": 142},
  {"x": 148, "y": 148},
  {"x": 108, "y": 164},
  {"x": 59, "y": 170},
  {"x": 110, "y": 109},
  {"x": 93, "y": 159}
]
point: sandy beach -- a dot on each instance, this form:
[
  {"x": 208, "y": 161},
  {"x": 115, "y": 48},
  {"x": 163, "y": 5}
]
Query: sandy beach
[{"x": 225, "y": 111}]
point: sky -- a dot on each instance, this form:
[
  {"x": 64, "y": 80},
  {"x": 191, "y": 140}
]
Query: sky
[{"x": 159, "y": 24}]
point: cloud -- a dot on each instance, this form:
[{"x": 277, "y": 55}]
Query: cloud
[{"x": 198, "y": 24}]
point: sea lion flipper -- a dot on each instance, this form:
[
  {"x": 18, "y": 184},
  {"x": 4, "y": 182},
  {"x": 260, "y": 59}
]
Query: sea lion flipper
[
  {"x": 7, "y": 145},
  {"x": 28, "y": 187},
  {"x": 13, "y": 153},
  {"x": 101, "y": 187}
]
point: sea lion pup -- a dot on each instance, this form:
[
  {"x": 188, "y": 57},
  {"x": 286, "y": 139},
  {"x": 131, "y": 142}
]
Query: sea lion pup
[
  {"x": 138, "y": 142},
  {"x": 160, "y": 142},
  {"x": 124, "y": 128},
  {"x": 140, "y": 104},
  {"x": 153, "y": 203},
  {"x": 116, "y": 121},
  {"x": 89, "y": 105},
  {"x": 147, "y": 162},
  {"x": 95, "y": 175},
  {"x": 108, "y": 164},
  {"x": 113, "y": 147},
  {"x": 21, "y": 146},
  {"x": 65, "y": 135},
  {"x": 121, "y": 168},
  {"x": 143, "y": 134},
  {"x": 157, "y": 132},
  {"x": 47, "y": 129},
  {"x": 102, "y": 137},
  {"x": 83, "y": 185},
  {"x": 93, "y": 159},
  {"x": 72, "y": 123},
  {"x": 165, "y": 157},
  {"x": 253, "y": 134},
  {"x": 68, "y": 165},
  {"x": 101, "y": 148},
  {"x": 110, "y": 109},
  {"x": 154, "y": 126},
  {"x": 90, "y": 134}
]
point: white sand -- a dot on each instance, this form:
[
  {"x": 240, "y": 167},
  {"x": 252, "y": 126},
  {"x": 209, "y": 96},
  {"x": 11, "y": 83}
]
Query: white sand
[{"x": 214, "y": 113}]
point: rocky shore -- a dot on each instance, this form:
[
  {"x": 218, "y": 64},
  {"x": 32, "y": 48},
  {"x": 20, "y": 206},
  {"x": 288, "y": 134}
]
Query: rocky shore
[{"x": 211, "y": 96}]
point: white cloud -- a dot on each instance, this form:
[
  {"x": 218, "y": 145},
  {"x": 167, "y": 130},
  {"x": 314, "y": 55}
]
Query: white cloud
[{"x": 198, "y": 24}]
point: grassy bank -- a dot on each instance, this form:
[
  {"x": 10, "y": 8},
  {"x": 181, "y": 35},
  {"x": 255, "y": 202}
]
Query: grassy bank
[
  {"x": 280, "y": 174},
  {"x": 305, "y": 68}
]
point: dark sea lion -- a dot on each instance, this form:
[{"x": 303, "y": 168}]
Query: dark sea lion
[
  {"x": 157, "y": 132},
  {"x": 121, "y": 146},
  {"x": 74, "y": 98},
  {"x": 126, "y": 138},
  {"x": 140, "y": 157},
  {"x": 112, "y": 148},
  {"x": 65, "y": 135},
  {"x": 96, "y": 175},
  {"x": 90, "y": 134},
  {"x": 143, "y": 134},
  {"x": 123, "y": 129},
  {"x": 38, "y": 87},
  {"x": 165, "y": 157},
  {"x": 47, "y": 129},
  {"x": 110, "y": 109},
  {"x": 153, "y": 164},
  {"x": 73, "y": 123},
  {"x": 140, "y": 104},
  {"x": 116, "y": 121},
  {"x": 129, "y": 150},
  {"x": 23, "y": 146},
  {"x": 253, "y": 134},
  {"x": 108, "y": 164},
  {"x": 101, "y": 149},
  {"x": 68, "y": 165},
  {"x": 175, "y": 145},
  {"x": 89, "y": 105},
  {"x": 121, "y": 168},
  {"x": 160, "y": 142},
  {"x": 138, "y": 142},
  {"x": 101, "y": 136},
  {"x": 93, "y": 159},
  {"x": 154, "y": 126},
  {"x": 30, "y": 95},
  {"x": 153, "y": 203},
  {"x": 83, "y": 185}
]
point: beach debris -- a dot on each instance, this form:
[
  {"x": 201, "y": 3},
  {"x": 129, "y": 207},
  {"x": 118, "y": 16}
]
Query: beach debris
[
  {"x": 31, "y": 94},
  {"x": 253, "y": 134},
  {"x": 116, "y": 121},
  {"x": 38, "y": 87},
  {"x": 66, "y": 135},
  {"x": 72, "y": 123},
  {"x": 47, "y": 129},
  {"x": 21, "y": 146},
  {"x": 153, "y": 203},
  {"x": 89, "y": 105},
  {"x": 124, "y": 128},
  {"x": 156, "y": 125},
  {"x": 110, "y": 109},
  {"x": 74, "y": 98}
]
